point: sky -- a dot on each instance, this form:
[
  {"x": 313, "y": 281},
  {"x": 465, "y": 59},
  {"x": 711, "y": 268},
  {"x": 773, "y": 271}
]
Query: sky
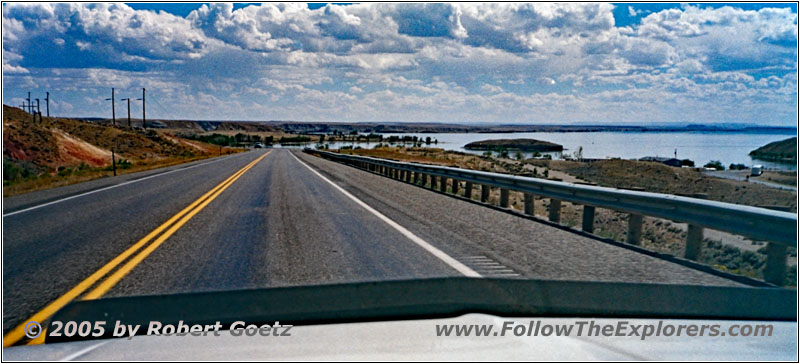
[{"x": 537, "y": 63}]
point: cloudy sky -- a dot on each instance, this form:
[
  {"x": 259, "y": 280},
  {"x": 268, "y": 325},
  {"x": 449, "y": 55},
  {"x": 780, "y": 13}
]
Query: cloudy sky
[{"x": 510, "y": 63}]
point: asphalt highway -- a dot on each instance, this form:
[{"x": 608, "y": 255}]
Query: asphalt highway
[{"x": 277, "y": 217}]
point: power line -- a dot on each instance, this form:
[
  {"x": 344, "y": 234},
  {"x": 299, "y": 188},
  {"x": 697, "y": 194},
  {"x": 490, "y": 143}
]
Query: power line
[{"x": 162, "y": 106}]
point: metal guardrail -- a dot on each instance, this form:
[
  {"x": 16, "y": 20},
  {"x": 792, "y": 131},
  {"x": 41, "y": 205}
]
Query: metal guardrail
[{"x": 776, "y": 227}]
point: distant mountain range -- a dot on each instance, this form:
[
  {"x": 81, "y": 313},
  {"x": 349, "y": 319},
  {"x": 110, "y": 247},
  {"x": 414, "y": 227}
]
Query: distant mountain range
[
  {"x": 302, "y": 127},
  {"x": 317, "y": 127}
]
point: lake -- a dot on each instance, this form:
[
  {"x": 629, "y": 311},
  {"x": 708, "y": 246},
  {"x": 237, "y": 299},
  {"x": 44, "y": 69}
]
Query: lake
[{"x": 701, "y": 147}]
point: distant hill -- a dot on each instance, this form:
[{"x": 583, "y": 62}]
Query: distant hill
[
  {"x": 781, "y": 151},
  {"x": 525, "y": 145},
  {"x": 399, "y": 127},
  {"x": 196, "y": 125}
]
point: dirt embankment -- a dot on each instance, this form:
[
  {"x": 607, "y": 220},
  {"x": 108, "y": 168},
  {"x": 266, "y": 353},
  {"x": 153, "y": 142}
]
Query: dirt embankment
[
  {"x": 657, "y": 177},
  {"x": 58, "y": 151}
]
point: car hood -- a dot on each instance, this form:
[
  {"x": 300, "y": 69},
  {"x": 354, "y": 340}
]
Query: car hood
[{"x": 415, "y": 340}]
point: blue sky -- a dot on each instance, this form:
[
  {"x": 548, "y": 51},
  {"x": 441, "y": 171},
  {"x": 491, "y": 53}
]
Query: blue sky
[{"x": 507, "y": 63}]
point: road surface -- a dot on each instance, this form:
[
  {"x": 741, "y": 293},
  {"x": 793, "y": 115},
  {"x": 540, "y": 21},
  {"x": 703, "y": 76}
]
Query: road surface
[
  {"x": 743, "y": 176},
  {"x": 276, "y": 218}
]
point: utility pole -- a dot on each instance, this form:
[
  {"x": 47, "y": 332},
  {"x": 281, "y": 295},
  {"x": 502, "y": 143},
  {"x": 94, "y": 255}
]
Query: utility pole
[
  {"x": 47, "y": 102},
  {"x": 30, "y": 105},
  {"x": 129, "y": 110},
  {"x": 113, "y": 112},
  {"x": 144, "y": 115},
  {"x": 113, "y": 120},
  {"x": 33, "y": 113},
  {"x": 38, "y": 111}
]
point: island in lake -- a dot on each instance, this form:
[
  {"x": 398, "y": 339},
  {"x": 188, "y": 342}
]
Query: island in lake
[{"x": 525, "y": 145}]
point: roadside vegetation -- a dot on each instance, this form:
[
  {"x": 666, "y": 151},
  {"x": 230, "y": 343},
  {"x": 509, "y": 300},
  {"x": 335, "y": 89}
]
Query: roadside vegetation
[{"x": 237, "y": 140}]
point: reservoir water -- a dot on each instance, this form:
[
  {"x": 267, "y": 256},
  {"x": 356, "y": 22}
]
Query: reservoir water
[{"x": 700, "y": 147}]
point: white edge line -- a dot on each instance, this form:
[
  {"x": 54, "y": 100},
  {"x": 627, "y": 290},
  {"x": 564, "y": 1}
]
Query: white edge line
[
  {"x": 452, "y": 262},
  {"x": 80, "y": 353},
  {"x": 110, "y": 187}
]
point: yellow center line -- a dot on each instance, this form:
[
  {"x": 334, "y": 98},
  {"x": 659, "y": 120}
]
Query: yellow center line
[
  {"x": 18, "y": 332},
  {"x": 112, "y": 280}
]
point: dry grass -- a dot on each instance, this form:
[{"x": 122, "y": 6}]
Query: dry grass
[
  {"x": 47, "y": 181},
  {"x": 784, "y": 178}
]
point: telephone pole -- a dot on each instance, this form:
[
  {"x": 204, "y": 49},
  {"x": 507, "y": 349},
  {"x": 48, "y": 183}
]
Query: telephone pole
[
  {"x": 47, "y": 103},
  {"x": 33, "y": 113},
  {"x": 144, "y": 115},
  {"x": 113, "y": 111},
  {"x": 38, "y": 111},
  {"x": 129, "y": 110},
  {"x": 30, "y": 105}
]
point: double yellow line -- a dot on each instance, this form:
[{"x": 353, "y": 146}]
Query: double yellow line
[{"x": 18, "y": 333}]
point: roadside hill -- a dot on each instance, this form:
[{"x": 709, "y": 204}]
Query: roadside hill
[
  {"x": 781, "y": 151},
  {"x": 60, "y": 147}
]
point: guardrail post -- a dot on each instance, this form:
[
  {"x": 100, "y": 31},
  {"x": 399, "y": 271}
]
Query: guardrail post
[
  {"x": 455, "y": 186},
  {"x": 408, "y": 176},
  {"x": 634, "y": 229},
  {"x": 485, "y": 193},
  {"x": 775, "y": 271},
  {"x": 504, "y": 197},
  {"x": 588, "y": 219},
  {"x": 468, "y": 190},
  {"x": 528, "y": 199},
  {"x": 443, "y": 184},
  {"x": 694, "y": 242},
  {"x": 555, "y": 210}
]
